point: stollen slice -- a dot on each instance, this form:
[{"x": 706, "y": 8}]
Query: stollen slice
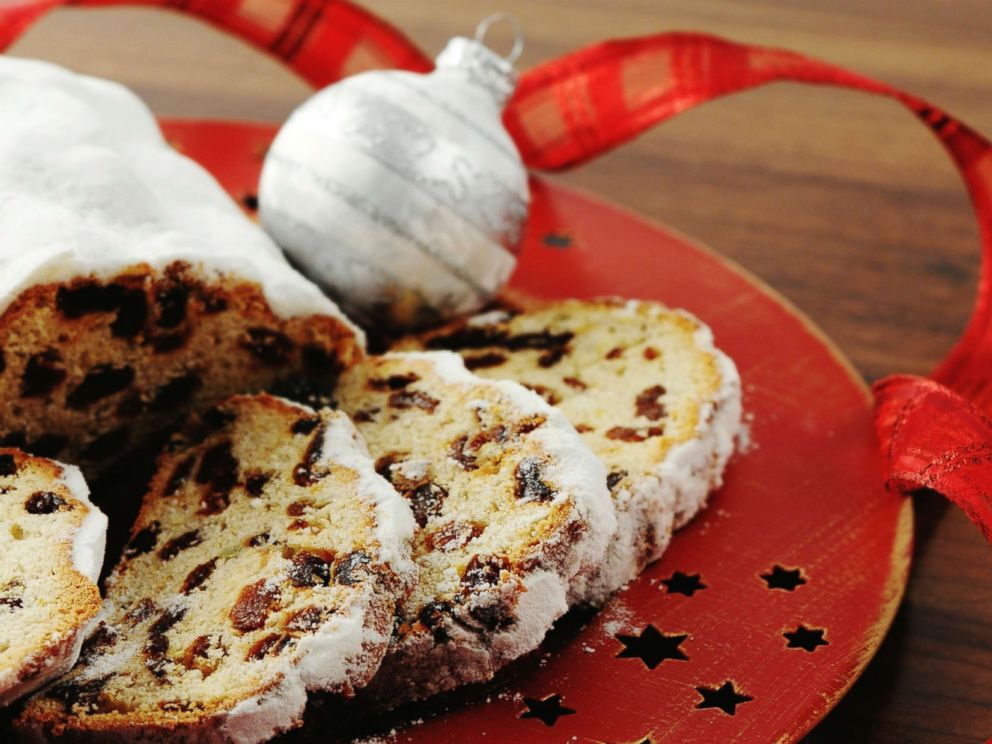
[
  {"x": 650, "y": 393},
  {"x": 510, "y": 505},
  {"x": 266, "y": 562},
  {"x": 51, "y": 552}
]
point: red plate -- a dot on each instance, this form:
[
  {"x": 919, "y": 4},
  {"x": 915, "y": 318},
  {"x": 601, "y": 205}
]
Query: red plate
[{"x": 807, "y": 497}]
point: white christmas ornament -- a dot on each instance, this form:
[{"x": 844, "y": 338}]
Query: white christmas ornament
[{"x": 402, "y": 194}]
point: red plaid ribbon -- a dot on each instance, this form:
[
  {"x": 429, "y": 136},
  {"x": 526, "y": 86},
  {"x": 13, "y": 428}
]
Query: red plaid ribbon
[{"x": 934, "y": 432}]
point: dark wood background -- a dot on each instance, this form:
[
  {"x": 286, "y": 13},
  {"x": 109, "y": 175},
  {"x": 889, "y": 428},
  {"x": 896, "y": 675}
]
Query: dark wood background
[{"x": 839, "y": 200}]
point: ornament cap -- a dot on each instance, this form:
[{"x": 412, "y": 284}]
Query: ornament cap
[{"x": 481, "y": 65}]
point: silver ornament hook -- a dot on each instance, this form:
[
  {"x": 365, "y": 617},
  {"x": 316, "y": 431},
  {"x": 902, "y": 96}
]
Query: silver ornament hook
[{"x": 518, "y": 33}]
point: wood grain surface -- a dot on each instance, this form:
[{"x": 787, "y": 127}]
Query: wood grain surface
[{"x": 840, "y": 201}]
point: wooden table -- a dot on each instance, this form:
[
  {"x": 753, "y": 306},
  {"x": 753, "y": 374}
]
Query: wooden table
[{"x": 838, "y": 200}]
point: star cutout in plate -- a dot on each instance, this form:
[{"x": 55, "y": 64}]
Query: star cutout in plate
[
  {"x": 784, "y": 578},
  {"x": 680, "y": 583},
  {"x": 548, "y": 710},
  {"x": 726, "y": 698},
  {"x": 652, "y": 647},
  {"x": 806, "y": 638}
]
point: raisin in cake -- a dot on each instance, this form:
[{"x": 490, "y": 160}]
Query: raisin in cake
[
  {"x": 510, "y": 504},
  {"x": 131, "y": 286},
  {"x": 51, "y": 551},
  {"x": 646, "y": 387},
  {"x": 266, "y": 561}
]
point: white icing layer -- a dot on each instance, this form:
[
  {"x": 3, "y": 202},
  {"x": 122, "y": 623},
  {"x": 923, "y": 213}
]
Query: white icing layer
[
  {"x": 541, "y": 603},
  {"x": 326, "y": 660},
  {"x": 90, "y": 541},
  {"x": 695, "y": 468},
  {"x": 262, "y": 718},
  {"x": 89, "y": 186},
  {"x": 651, "y": 503},
  {"x": 578, "y": 471}
]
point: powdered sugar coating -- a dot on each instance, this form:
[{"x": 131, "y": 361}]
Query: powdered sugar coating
[
  {"x": 394, "y": 520},
  {"x": 328, "y": 657},
  {"x": 420, "y": 669},
  {"x": 649, "y": 500},
  {"x": 107, "y": 192},
  {"x": 90, "y": 542},
  {"x": 695, "y": 468}
]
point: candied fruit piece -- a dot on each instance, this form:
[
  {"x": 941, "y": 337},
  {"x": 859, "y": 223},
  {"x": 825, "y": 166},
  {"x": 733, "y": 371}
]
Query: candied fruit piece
[
  {"x": 198, "y": 576},
  {"x": 529, "y": 486},
  {"x": 45, "y": 502},
  {"x": 310, "y": 568},
  {"x": 178, "y": 544},
  {"x": 254, "y": 605},
  {"x": 268, "y": 346},
  {"x": 649, "y": 405},
  {"x": 43, "y": 373}
]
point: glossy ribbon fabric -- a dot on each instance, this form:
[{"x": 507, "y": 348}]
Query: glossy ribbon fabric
[{"x": 934, "y": 432}]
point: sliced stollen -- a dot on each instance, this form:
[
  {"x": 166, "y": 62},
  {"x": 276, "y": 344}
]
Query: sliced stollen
[
  {"x": 646, "y": 387},
  {"x": 51, "y": 552},
  {"x": 510, "y": 504},
  {"x": 132, "y": 288},
  {"x": 266, "y": 561}
]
